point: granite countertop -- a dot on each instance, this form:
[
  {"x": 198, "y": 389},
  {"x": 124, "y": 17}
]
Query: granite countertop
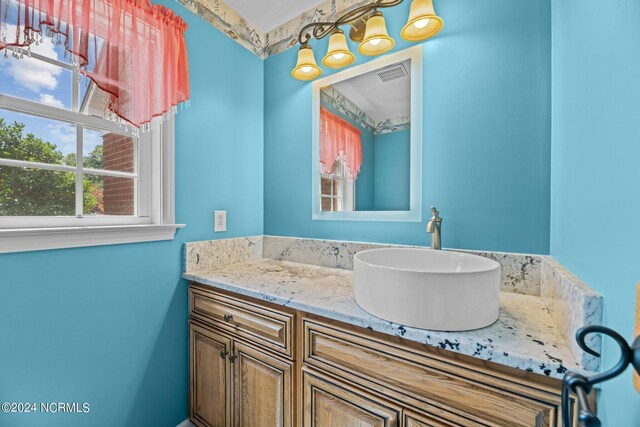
[{"x": 524, "y": 337}]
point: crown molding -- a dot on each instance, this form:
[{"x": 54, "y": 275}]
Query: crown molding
[
  {"x": 228, "y": 21},
  {"x": 339, "y": 102},
  {"x": 281, "y": 38},
  {"x": 334, "y": 98}
]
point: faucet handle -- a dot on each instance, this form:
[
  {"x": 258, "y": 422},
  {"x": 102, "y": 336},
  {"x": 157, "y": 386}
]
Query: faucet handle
[{"x": 435, "y": 212}]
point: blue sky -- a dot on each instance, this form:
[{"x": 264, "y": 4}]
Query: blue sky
[{"x": 36, "y": 80}]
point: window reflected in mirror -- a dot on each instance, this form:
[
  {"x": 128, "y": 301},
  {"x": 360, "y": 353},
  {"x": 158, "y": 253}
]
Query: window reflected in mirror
[{"x": 337, "y": 190}]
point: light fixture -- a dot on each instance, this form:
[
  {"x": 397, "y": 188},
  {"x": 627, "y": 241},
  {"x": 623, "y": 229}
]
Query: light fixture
[
  {"x": 376, "y": 39},
  {"x": 423, "y": 22},
  {"x": 306, "y": 68},
  {"x": 367, "y": 28},
  {"x": 356, "y": 33},
  {"x": 338, "y": 54}
]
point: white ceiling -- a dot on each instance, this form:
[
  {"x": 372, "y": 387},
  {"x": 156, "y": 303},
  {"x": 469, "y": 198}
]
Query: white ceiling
[
  {"x": 379, "y": 100},
  {"x": 266, "y": 15}
]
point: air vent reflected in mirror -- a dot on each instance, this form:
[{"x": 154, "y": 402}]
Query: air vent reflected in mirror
[{"x": 393, "y": 72}]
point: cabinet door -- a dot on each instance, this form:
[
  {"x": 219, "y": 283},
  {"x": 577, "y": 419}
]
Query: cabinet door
[
  {"x": 210, "y": 378},
  {"x": 262, "y": 389},
  {"x": 328, "y": 403},
  {"x": 414, "y": 419}
]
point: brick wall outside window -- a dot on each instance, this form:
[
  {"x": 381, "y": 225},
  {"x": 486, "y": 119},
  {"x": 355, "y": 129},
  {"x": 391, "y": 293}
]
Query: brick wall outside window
[{"x": 119, "y": 193}]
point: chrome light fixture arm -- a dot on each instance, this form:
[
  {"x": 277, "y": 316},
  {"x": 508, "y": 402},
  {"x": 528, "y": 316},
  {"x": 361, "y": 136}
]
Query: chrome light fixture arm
[{"x": 319, "y": 30}]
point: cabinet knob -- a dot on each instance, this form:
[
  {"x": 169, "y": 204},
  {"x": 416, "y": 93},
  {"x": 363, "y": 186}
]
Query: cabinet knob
[
  {"x": 224, "y": 354},
  {"x": 227, "y": 317},
  {"x": 233, "y": 358}
]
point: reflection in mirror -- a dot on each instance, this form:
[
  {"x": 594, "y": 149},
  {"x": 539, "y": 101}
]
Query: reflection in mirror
[{"x": 365, "y": 141}]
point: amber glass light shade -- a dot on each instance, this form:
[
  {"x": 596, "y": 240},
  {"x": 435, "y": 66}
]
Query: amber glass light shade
[
  {"x": 306, "y": 67},
  {"x": 376, "y": 39},
  {"x": 423, "y": 22},
  {"x": 338, "y": 54}
]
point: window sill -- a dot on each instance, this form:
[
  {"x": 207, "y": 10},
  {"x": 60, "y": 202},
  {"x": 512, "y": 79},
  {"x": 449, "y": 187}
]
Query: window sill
[{"x": 36, "y": 239}]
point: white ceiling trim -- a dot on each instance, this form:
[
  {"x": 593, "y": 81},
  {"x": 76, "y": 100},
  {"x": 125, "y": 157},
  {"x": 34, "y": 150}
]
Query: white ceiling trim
[{"x": 281, "y": 38}]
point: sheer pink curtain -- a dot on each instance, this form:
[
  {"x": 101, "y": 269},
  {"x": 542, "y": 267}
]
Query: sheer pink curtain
[
  {"x": 338, "y": 136},
  {"x": 131, "y": 49}
]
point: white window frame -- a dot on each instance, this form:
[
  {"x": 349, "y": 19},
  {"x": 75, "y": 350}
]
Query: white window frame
[
  {"x": 155, "y": 201},
  {"x": 347, "y": 188}
]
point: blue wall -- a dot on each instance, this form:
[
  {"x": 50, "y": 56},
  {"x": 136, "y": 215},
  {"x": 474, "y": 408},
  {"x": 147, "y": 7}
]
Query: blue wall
[
  {"x": 108, "y": 325},
  {"x": 393, "y": 157},
  {"x": 365, "y": 183},
  {"x": 486, "y": 133},
  {"x": 595, "y": 213}
]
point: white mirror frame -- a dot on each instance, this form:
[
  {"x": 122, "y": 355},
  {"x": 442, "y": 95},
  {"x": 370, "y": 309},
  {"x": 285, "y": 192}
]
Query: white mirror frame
[{"x": 414, "y": 214}]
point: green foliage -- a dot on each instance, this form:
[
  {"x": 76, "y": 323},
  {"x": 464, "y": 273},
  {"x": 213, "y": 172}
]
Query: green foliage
[
  {"x": 70, "y": 159},
  {"x": 37, "y": 192},
  {"x": 94, "y": 159}
]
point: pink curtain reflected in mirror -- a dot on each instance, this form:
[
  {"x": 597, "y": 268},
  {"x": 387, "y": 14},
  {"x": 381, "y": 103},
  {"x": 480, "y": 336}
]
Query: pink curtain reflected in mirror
[{"x": 339, "y": 139}]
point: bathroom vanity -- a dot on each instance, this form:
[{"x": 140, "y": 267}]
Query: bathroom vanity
[
  {"x": 260, "y": 364},
  {"x": 275, "y": 342}
]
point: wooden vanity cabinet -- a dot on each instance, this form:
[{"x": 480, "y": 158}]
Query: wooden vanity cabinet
[
  {"x": 447, "y": 385},
  {"x": 241, "y": 369},
  {"x": 233, "y": 383},
  {"x": 286, "y": 368}
]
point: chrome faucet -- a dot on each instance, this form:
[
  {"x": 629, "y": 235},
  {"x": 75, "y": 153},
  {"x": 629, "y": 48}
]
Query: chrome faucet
[{"x": 433, "y": 227}]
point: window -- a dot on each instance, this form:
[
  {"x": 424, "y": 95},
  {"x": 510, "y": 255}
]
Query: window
[
  {"x": 70, "y": 174},
  {"x": 337, "y": 191}
]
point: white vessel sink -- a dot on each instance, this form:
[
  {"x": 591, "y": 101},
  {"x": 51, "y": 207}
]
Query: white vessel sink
[{"x": 428, "y": 289}]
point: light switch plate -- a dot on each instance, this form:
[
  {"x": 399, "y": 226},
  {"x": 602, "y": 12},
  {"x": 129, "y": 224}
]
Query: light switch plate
[{"x": 219, "y": 221}]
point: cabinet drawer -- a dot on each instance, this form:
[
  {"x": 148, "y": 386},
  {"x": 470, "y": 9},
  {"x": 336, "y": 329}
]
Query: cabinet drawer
[
  {"x": 267, "y": 327},
  {"x": 331, "y": 348}
]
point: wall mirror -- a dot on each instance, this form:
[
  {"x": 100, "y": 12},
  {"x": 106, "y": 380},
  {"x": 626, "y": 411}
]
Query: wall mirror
[{"x": 367, "y": 141}]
